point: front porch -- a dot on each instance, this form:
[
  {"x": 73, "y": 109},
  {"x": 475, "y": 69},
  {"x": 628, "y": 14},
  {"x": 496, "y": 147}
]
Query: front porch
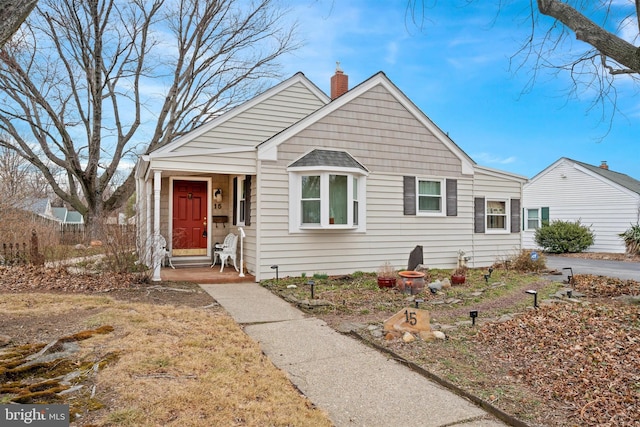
[{"x": 204, "y": 275}]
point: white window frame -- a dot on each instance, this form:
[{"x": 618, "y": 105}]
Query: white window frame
[
  {"x": 295, "y": 199},
  {"x": 526, "y": 219},
  {"x": 507, "y": 216},
  {"x": 240, "y": 202},
  {"x": 442, "y": 211}
]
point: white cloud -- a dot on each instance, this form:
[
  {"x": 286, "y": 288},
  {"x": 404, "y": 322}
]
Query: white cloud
[{"x": 492, "y": 159}]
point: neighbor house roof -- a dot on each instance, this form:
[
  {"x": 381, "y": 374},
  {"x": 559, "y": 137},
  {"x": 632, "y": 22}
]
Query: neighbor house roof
[
  {"x": 619, "y": 178},
  {"x": 68, "y": 217}
]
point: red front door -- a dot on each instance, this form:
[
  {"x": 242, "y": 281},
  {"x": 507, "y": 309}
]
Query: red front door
[{"x": 189, "y": 214}]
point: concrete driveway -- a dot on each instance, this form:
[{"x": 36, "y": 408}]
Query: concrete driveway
[{"x": 620, "y": 269}]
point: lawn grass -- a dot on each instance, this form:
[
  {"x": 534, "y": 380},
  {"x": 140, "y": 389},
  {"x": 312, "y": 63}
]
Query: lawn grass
[{"x": 172, "y": 366}]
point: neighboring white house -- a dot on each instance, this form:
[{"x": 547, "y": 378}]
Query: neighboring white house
[
  {"x": 568, "y": 190},
  {"x": 323, "y": 184}
]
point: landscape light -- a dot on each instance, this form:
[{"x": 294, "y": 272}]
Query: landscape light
[
  {"x": 275, "y": 267},
  {"x": 570, "y": 276},
  {"x": 312, "y": 284},
  {"x": 473, "y": 314},
  {"x": 535, "y": 297}
]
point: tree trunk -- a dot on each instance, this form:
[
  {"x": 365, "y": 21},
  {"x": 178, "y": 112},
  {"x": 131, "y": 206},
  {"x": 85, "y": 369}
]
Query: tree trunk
[{"x": 12, "y": 15}]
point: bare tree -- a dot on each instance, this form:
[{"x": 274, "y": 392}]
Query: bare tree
[
  {"x": 610, "y": 30},
  {"x": 12, "y": 15},
  {"x": 89, "y": 84}
]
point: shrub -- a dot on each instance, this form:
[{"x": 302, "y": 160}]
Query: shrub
[
  {"x": 523, "y": 262},
  {"x": 564, "y": 236},
  {"x": 631, "y": 239}
]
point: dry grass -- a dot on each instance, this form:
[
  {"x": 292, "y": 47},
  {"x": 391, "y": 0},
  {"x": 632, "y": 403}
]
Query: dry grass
[{"x": 175, "y": 366}]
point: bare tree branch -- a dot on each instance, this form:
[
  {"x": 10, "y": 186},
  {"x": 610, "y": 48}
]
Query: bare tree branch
[{"x": 74, "y": 85}]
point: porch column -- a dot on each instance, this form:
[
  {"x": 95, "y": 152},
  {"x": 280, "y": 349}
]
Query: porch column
[
  {"x": 148, "y": 232},
  {"x": 157, "y": 186}
]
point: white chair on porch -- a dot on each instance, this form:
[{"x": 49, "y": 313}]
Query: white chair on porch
[{"x": 225, "y": 251}]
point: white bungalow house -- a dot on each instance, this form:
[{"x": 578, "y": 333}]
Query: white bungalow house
[
  {"x": 568, "y": 190},
  {"x": 320, "y": 184}
]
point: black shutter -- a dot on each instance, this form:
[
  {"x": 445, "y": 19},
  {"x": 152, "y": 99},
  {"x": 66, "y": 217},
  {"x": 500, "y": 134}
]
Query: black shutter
[
  {"x": 478, "y": 210},
  {"x": 247, "y": 200},
  {"x": 452, "y": 197},
  {"x": 409, "y": 195},
  {"x": 235, "y": 201},
  {"x": 515, "y": 215}
]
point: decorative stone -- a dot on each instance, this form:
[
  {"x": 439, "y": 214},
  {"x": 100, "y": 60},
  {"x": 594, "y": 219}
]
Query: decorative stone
[
  {"x": 446, "y": 283},
  {"x": 408, "y": 320},
  {"x": 439, "y": 335},
  {"x": 391, "y": 335},
  {"x": 291, "y": 286},
  {"x": 437, "y": 285},
  {"x": 408, "y": 337},
  {"x": 427, "y": 336}
]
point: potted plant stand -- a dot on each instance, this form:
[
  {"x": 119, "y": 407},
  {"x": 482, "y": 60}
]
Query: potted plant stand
[{"x": 386, "y": 276}]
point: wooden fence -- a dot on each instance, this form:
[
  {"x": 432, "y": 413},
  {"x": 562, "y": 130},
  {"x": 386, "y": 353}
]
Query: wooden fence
[{"x": 22, "y": 253}]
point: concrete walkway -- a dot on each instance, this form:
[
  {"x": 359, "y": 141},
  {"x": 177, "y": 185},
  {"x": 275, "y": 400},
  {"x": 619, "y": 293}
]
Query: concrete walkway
[{"x": 355, "y": 384}]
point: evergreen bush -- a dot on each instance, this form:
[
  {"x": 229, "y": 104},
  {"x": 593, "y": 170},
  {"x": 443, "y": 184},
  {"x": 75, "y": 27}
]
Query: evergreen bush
[{"x": 564, "y": 237}]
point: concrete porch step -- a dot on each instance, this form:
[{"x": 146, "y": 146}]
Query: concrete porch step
[{"x": 190, "y": 262}]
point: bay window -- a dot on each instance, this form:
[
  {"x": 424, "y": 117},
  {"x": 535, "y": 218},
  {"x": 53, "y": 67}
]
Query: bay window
[{"x": 327, "y": 190}]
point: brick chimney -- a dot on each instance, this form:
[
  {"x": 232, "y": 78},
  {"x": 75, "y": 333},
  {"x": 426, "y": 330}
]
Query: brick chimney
[
  {"x": 604, "y": 165},
  {"x": 339, "y": 82}
]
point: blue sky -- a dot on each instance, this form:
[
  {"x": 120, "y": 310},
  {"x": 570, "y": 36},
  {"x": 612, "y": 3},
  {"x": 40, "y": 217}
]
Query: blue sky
[{"x": 456, "y": 69}]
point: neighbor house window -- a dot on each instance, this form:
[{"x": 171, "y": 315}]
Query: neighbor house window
[
  {"x": 496, "y": 215},
  {"x": 536, "y": 218},
  {"x": 429, "y": 196},
  {"x": 533, "y": 219}
]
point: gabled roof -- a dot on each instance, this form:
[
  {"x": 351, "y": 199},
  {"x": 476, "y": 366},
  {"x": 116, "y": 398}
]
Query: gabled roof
[
  {"x": 268, "y": 149},
  {"x": 619, "y": 178},
  {"x": 332, "y": 158},
  {"x": 68, "y": 217},
  {"x": 299, "y": 77}
]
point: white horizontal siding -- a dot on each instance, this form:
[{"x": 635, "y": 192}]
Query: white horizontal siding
[
  {"x": 489, "y": 248},
  {"x": 228, "y": 163},
  {"x": 260, "y": 122},
  {"x": 390, "y": 235},
  {"x": 572, "y": 195}
]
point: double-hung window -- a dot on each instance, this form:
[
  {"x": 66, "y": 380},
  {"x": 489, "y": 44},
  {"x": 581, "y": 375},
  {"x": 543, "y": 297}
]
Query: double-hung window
[
  {"x": 536, "y": 217},
  {"x": 242, "y": 199},
  {"x": 430, "y": 197},
  {"x": 533, "y": 219},
  {"x": 496, "y": 215}
]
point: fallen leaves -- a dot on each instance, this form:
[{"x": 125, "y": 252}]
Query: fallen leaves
[
  {"x": 584, "y": 355},
  {"x": 35, "y": 279},
  {"x": 602, "y": 286}
]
